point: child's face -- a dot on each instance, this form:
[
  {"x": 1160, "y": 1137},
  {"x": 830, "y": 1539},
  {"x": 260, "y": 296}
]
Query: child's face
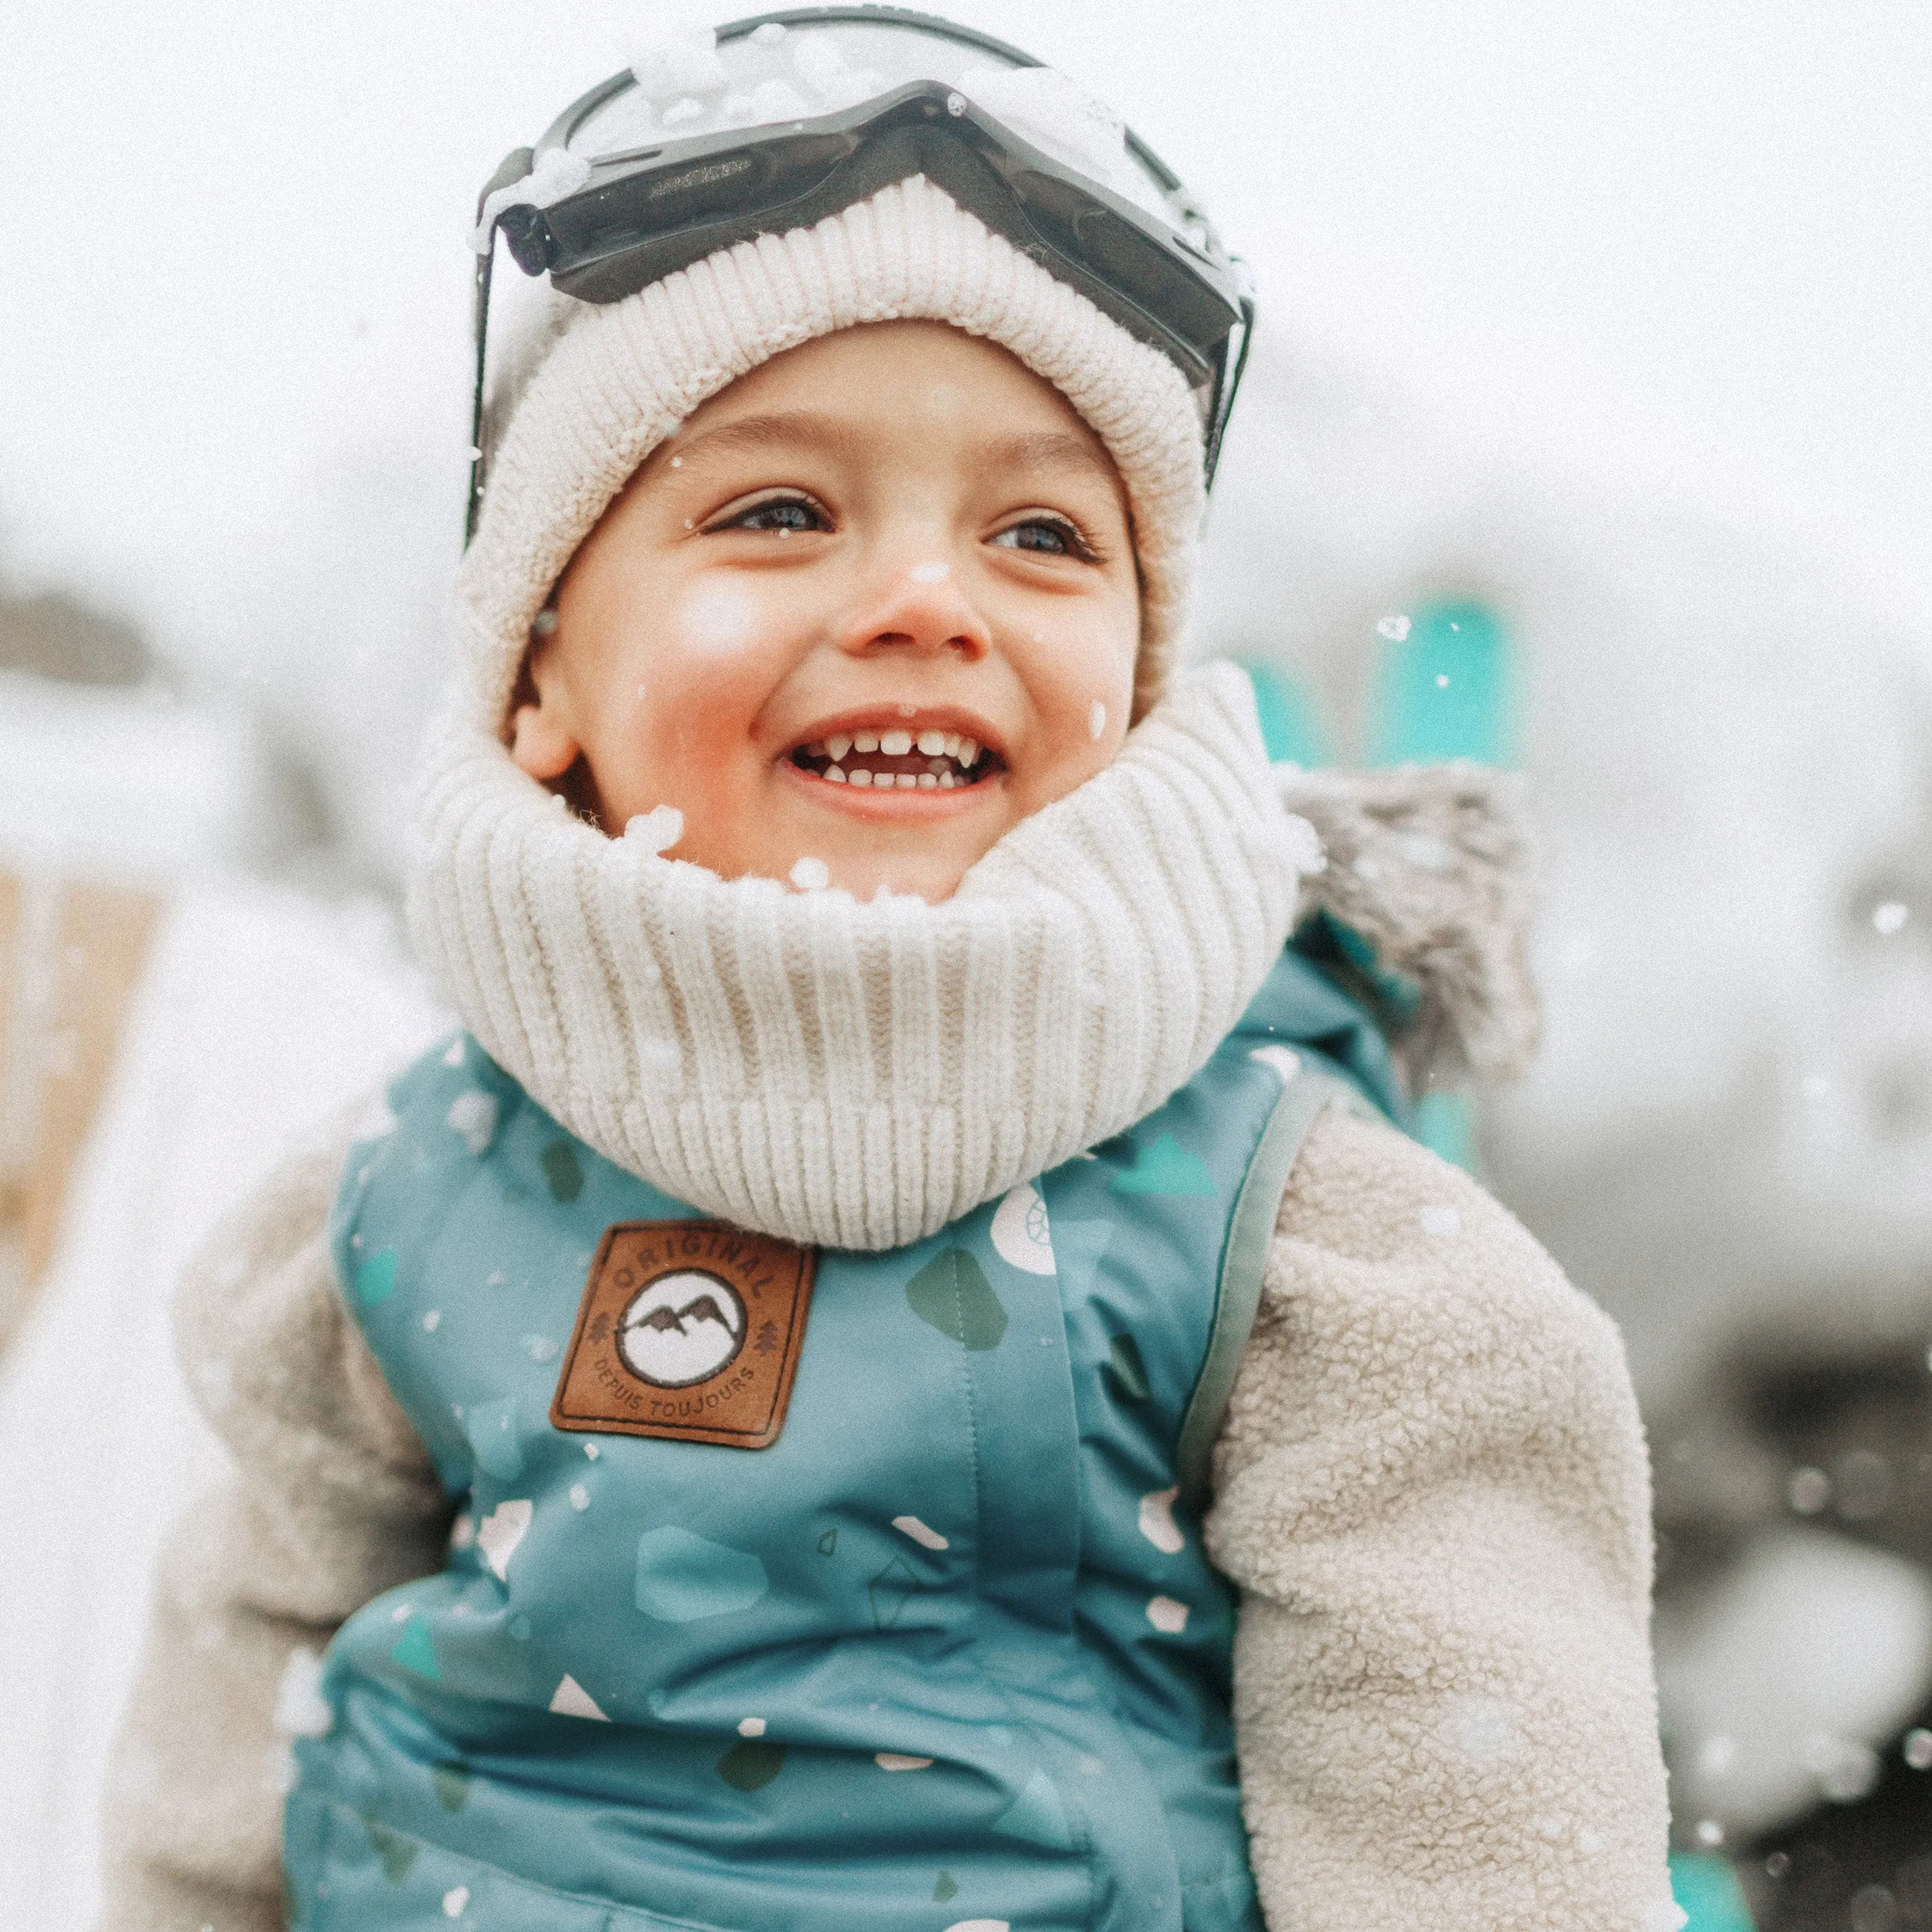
[{"x": 875, "y": 545}]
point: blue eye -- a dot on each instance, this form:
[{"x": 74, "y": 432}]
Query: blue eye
[
  {"x": 1045, "y": 537},
  {"x": 783, "y": 514}
]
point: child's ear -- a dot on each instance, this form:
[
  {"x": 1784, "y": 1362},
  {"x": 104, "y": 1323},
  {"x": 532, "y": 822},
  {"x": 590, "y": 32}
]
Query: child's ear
[{"x": 542, "y": 739}]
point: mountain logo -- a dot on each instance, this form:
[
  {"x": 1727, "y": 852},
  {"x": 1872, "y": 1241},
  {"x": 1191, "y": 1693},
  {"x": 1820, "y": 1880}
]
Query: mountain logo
[
  {"x": 688, "y": 1329},
  {"x": 682, "y": 1329}
]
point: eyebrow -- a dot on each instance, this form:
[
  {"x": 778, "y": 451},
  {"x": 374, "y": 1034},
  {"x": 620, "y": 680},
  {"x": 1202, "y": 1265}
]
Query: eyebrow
[
  {"x": 1053, "y": 450},
  {"x": 793, "y": 429},
  {"x": 790, "y": 428}
]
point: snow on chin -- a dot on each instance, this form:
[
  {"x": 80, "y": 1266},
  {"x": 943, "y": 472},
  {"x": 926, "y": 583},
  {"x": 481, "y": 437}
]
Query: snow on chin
[
  {"x": 657, "y": 830},
  {"x": 718, "y": 619},
  {"x": 1096, "y": 721}
]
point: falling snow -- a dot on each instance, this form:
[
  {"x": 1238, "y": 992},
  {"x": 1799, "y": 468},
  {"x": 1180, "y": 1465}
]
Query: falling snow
[{"x": 1808, "y": 1490}]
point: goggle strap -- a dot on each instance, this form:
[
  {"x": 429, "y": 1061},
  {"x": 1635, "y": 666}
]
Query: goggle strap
[
  {"x": 512, "y": 168},
  {"x": 1229, "y": 384},
  {"x": 484, "y": 265}
]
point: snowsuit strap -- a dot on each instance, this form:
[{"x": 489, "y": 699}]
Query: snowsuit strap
[{"x": 1239, "y": 1295}]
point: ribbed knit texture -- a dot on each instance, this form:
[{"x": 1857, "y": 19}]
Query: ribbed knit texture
[
  {"x": 618, "y": 378},
  {"x": 861, "y": 1073}
]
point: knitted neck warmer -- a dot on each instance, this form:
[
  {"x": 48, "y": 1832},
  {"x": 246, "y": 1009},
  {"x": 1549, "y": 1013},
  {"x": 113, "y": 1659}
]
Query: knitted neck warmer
[{"x": 859, "y": 1074}]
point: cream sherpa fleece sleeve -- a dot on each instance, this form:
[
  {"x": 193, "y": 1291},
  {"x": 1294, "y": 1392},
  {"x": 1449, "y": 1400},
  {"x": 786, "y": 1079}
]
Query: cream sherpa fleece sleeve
[
  {"x": 334, "y": 1502},
  {"x": 1431, "y": 1487}
]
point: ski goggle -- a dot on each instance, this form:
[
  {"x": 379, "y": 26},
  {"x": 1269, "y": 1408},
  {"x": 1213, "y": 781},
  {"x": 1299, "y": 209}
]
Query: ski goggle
[{"x": 785, "y": 118}]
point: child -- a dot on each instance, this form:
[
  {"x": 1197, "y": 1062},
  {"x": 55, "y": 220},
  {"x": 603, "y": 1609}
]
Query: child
[{"x": 751, "y": 1419}]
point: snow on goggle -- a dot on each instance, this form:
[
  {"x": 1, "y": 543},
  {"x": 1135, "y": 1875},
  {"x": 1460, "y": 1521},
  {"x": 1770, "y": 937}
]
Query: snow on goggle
[{"x": 774, "y": 122}]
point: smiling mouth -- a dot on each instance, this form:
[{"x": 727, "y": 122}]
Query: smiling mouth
[{"x": 928, "y": 761}]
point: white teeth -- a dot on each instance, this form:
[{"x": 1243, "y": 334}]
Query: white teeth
[
  {"x": 946, "y": 781},
  {"x": 927, "y": 782},
  {"x": 834, "y": 775},
  {"x": 950, "y": 747},
  {"x": 862, "y": 777},
  {"x": 836, "y": 748},
  {"x": 865, "y": 741},
  {"x": 908, "y": 780},
  {"x": 895, "y": 744},
  {"x": 968, "y": 752},
  {"x": 932, "y": 742}
]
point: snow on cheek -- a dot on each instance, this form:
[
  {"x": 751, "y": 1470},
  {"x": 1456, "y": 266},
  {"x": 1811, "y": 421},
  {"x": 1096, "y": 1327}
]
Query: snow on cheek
[
  {"x": 718, "y": 620},
  {"x": 1096, "y": 721}
]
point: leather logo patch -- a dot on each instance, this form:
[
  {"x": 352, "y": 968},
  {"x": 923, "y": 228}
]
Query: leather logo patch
[{"x": 689, "y": 1329}]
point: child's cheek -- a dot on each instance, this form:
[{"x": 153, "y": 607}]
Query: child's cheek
[
  {"x": 723, "y": 643},
  {"x": 718, "y": 618},
  {"x": 1084, "y": 686}
]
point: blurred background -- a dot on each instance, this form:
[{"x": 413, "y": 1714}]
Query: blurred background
[{"x": 1591, "y": 374}]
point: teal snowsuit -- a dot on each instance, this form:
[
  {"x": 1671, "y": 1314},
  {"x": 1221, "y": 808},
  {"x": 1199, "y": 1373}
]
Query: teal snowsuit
[{"x": 947, "y": 1653}]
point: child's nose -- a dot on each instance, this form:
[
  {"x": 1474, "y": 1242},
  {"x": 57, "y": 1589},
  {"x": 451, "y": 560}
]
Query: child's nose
[{"x": 918, "y": 603}]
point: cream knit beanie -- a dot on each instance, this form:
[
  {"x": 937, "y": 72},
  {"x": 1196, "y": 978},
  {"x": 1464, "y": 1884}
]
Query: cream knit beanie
[{"x": 592, "y": 389}]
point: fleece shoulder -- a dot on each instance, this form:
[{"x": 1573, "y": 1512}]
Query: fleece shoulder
[
  {"x": 282, "y": 1372},
  {"x": 1395, "y": 1280},
  {"x": 332, "y": 1501},
  {"x": 1432, "y": 1491}
]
